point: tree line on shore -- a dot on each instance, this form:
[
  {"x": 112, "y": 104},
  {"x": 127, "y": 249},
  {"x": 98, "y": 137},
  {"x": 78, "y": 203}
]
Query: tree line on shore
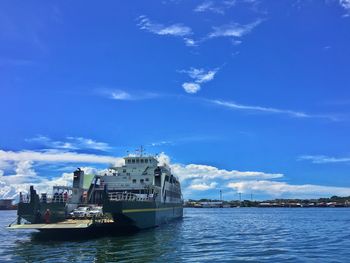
[{"x": 334, "y": 201}]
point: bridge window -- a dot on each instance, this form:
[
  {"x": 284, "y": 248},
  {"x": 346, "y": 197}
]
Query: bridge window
[
  {"x": 129, "y": 161},
  {"x": 141, "y": 160},
  {"x": 141, "y": 181},
  {"x": 133, "y": 160},
  {"x": 137, "y": 160},
  {"x": 134, "y": 181},
  {"x": 146, "y": 160}
]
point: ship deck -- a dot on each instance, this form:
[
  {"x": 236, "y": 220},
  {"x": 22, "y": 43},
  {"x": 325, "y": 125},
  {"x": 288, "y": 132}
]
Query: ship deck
[{"x": 67, "y": 224}]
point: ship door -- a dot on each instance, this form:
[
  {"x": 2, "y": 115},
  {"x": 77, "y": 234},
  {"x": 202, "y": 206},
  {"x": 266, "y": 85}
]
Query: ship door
[{"x": 157, "y": 177}]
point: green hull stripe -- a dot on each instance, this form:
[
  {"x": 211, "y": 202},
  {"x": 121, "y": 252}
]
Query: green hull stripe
[{"x": 148, "y": 209}]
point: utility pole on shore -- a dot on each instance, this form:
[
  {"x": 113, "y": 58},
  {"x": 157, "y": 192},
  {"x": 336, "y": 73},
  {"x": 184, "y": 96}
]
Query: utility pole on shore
[{"x": 220, "y": 195}]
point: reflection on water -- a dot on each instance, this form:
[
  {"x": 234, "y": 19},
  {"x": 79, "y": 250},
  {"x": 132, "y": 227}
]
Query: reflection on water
[{"x": 204, "y": 235}]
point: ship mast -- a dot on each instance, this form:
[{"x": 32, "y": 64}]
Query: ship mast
[{"x": 141, "y": 150}]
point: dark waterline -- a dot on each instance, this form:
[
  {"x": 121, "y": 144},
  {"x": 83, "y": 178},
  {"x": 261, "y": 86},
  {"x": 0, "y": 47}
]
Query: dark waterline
[{"x": 204, "y": 235}]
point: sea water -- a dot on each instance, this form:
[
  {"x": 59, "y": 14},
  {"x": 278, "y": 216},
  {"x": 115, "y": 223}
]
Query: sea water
[{"x": 203, "y": 235}]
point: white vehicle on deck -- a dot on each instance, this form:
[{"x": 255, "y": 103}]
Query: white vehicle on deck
[
  {"x": 95, "y": 211},
  {"x": 80, "y": 212}
]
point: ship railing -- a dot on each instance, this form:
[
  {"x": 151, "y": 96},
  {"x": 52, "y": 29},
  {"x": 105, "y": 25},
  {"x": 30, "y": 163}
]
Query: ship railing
[
  {"x": 54, "y": 199},
  {"x": 117, "y": 196}
]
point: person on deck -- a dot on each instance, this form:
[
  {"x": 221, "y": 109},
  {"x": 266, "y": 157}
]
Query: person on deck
[
  {"x": 47, "y": 216},
  {"x": 65, "y": 196}
]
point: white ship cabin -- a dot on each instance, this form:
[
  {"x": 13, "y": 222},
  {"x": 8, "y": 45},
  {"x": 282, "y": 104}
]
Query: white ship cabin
[{"x": 141, "y": 175}]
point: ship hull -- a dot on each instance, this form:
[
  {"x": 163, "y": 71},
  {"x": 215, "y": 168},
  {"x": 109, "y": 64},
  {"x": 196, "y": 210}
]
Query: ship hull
[{"x": 141, "y": 215}]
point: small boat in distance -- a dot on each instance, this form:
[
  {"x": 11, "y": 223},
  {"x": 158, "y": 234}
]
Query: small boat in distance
[{"x": 137, "y": 195}]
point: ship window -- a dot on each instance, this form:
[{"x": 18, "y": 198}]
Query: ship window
[
  {"x": 133, "y": 160},
  {"x": 137, "y": 160},
  {"x": 141, "y": 181},
  {"x": 141, "y": 160},
  {"x": 128, "y": 174},
  {"x": 150, "y": 160},
  {"x": 146, "y": 160},
  {"x": 147, "y": 179},
  {"x": 134, "y": 181},
  {"x": 124, "y": 170},
  {"x": 129, "y": 161}
]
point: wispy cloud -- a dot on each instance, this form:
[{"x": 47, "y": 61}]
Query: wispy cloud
[
  {"x": 176, "y": 30},
  {"x": 233, "y": 30},
  {"x": 160, "y": 143},
  {"x": 122, "y": 95},
  {"x": 345, "y": 4},
  {"x": 295, "y": 114},
  {"x": 71, "y": 143},
  {"x": 281, "y": 188},
  {"x": 57, "y": 156},
  {"x": 323, "y": 159},
  {"x": 217, "y": 7},
  {"x": 199, "y": 77}
]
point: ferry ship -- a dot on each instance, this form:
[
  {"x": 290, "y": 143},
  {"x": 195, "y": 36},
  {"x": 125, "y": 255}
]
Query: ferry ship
[{"x": 137, "y": 195}]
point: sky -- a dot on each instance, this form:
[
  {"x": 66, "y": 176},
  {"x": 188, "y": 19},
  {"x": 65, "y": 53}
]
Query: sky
[{"x": 242, "y": 96}]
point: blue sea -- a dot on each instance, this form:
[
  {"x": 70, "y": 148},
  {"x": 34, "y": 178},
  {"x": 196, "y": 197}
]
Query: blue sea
[{"x": 203, "y": 235}]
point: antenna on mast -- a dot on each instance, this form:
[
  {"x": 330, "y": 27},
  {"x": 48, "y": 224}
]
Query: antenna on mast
[{"x": 141, "y": 150}]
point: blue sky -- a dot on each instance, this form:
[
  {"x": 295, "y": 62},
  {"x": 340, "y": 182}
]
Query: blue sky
[{"x": 243, "y": 95}]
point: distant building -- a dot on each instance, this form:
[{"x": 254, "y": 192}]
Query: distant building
[{"x": 5, "y": 204}]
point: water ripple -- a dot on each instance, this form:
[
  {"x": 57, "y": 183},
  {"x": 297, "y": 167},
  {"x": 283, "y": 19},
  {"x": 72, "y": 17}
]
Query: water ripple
[{"x": 204, "y": 235}]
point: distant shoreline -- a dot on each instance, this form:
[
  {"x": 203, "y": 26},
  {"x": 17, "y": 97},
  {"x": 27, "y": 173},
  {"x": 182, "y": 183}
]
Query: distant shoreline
[{"x": 333, "y": 202}]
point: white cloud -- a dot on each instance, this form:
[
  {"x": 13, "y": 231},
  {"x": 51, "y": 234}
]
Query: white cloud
[
  {"x": 199, "y": 76},
  {"x": 324, "y": 159},
  {"x": 191, "y": 87},
  {"x": 196, "y": 177},
  {"x": 281, "y": 188},
  {"x": 25, "y": 168},
  {"x": 207, "y": 172},
  {"x": 176, "y": 30},
  {"x": 11, "y": 185},
  {"x": 49, "y": 156},
  {"x": 234, "y": 30},
  {"x": 295, "y": 114},
  {"x": 71, "y": 143},
  {"x": 163, "y": 159},
  {"x": 203, "y": 186},
  {"x": 190, "y": 42}
]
